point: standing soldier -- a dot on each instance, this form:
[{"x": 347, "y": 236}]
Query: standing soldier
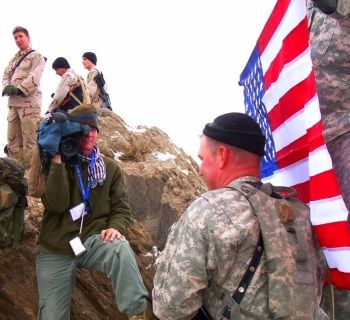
[
  {"x": 329, "y": 26},
  {"x": 213, "y": 256},
  {"x": 96, "y": 83},
  {"x": 21, "y": 83}
]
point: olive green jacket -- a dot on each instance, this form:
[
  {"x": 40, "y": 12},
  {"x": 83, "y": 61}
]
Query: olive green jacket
[{"x": 110, "y": 208}]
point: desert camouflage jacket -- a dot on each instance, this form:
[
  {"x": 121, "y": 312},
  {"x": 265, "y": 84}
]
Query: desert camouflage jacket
[
  {"x": 69, "y": 82},
  {"x": 25, "y": 77},
  {"x": 211, "y": 245},
  {"x": 94, "y": 91}
]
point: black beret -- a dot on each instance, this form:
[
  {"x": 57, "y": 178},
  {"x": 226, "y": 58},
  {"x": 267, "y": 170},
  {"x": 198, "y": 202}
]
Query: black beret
[
  {"x": 90, "y": 56},
  {"x": 238, "y": 130},
  {"x": 60, "y": 62}
]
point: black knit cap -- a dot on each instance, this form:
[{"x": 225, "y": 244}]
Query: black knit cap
[
  {"x": 90, "y": 56},
  {"x": 238, "y": 130},
  {"x": 60, "y": 62}
]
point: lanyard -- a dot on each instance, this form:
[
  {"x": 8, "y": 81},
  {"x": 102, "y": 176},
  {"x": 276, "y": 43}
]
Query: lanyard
[{"x": 85, "y": 191}]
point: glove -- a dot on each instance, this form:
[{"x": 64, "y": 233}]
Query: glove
[{"x": 11, "y": 90}]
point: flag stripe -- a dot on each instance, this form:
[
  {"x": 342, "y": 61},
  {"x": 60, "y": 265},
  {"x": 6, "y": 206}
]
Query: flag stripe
[
  {"x": 292, "y": 73},
  {"x": 303, "y": 190},
  {"x": 296, "y": 42},
  {"x": 325, "y": 186},
  {"x": 320, "y": 161},
  {"x": 295, "y": 13},
  {"x": 271, "y": 25},
  {"x": 328, "y": 211},
  {"x": 294, "y": 175},
  {"x": 300, "y": 148},
  {"x": 294, "y": 152},
  {"x": 340, "y": 279},
  {"x": 293, "y": 101},
  {"x": 325, "y": 233},
  {"x": 339, "y": 259}
]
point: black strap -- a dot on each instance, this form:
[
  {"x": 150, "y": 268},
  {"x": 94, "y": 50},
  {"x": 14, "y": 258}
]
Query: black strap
[
  {"x": 247, "y": 277},
  {"x": 20, "y": 60}
]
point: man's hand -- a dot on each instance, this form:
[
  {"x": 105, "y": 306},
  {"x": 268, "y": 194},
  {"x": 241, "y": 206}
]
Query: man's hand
[
  {"x": 56, "y": 159},
  {"x": 11, "y": 90},
  {"x": 111, "y": 234}
]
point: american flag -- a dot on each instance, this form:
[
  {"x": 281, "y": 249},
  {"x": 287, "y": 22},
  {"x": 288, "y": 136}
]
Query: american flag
[{"x": 280, "y": 93}]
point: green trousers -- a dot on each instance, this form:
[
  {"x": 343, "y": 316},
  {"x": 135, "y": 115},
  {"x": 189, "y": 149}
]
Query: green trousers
[{"x": 56, "y": 278}]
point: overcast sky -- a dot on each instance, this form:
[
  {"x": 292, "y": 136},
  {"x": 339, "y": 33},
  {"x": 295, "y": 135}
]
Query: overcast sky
[{"x": 170, "y": 64}]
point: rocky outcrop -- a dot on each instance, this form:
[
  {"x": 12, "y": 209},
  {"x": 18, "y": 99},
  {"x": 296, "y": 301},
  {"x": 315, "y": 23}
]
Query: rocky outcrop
[{"x": 161, "y": 182}]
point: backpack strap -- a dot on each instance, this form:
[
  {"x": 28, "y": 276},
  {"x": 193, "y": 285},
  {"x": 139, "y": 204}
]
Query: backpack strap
[
  {"x": 75, "y": 97},
  {"x": 279, "y": 192},
  {"x": 20, "y": 60},
  {"x": 239, "y": 293}
]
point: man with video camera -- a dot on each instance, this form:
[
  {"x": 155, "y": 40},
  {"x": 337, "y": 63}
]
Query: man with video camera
[{"x": 86, "y": 213}]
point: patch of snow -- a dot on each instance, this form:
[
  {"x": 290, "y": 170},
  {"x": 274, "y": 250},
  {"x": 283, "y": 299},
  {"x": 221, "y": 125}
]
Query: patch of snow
[
  {"x": 185, "y": 172},
  {"x": 137, "y": 130},
  {"x": 163, "y": 156},
  {"x": 117, "y": 155}
]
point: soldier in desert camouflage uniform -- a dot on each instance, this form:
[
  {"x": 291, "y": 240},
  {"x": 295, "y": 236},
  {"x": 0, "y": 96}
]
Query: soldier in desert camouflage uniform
[
  {"x": 330, "y": 50},
  {"x": 89, "y": 63},
  {"x": 69, "y": 92},
  {"x": 21, "y": 83},
  {"x": 209, "y": 248}
]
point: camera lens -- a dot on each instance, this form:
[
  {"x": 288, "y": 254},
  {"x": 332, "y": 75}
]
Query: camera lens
[{"x": 69, "y": 147}]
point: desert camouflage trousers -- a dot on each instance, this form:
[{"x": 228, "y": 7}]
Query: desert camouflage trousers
[{"x": 21, "y": 133}]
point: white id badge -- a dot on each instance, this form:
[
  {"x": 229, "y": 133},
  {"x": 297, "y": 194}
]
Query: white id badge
[
  {"x": 78, "y": 211},
  {"x": 77, "y": 246}
]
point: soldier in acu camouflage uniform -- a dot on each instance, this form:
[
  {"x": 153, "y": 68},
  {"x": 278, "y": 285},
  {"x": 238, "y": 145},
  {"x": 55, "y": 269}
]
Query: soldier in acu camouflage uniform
[
  {"x": 329, "y": 24},
  {"x": 21, "y": 83},
  {"x": 209, "y": 248}
]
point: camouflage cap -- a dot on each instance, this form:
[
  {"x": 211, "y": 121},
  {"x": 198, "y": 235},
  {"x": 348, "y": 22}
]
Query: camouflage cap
[
  {"x": 238, "y": 130},
  {"x": 85, "y": 114}
]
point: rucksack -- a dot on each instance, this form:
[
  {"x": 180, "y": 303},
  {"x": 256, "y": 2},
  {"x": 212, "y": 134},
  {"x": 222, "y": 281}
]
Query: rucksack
[
  {"x": 13, "y": 191},
  {"x": 293, "y": 262},
  {"x": 78, "y": 95}
]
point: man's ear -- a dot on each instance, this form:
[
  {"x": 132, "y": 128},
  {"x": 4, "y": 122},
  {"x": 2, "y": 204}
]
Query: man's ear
[{"x": 222, "y": 156}]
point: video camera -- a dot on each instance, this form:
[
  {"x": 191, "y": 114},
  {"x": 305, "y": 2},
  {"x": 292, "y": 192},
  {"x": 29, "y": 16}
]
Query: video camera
[{"x": 59, "y": 133}]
